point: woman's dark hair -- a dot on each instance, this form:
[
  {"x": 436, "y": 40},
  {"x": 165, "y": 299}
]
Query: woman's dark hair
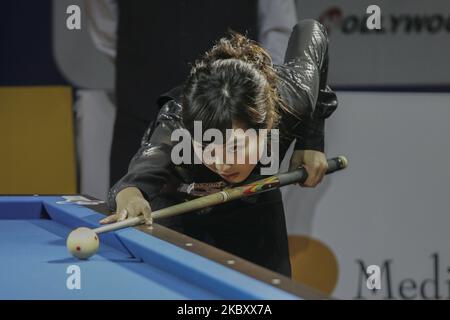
[{"x": 234, "y": 80}]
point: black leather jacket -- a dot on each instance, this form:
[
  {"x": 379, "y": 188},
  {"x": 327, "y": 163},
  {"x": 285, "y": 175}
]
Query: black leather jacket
[{"x": 302, "y": 85}]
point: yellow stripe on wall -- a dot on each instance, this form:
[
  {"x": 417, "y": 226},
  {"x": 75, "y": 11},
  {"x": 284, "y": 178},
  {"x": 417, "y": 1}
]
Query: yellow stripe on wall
[{"x": 37, "y": 152}]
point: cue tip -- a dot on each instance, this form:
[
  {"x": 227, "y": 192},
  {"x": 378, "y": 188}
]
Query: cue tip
[{"x": 343, "y": 161}]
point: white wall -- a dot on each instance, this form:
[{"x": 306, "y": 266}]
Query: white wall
[
  {"x": 393, "y": 201},
  {"x": 412, "y": 50}
]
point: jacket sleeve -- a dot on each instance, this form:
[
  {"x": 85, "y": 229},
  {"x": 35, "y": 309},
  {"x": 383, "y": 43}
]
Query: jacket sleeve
[
  {"x": 305, "y": 76},
  {"x": 151, "y": 167}
]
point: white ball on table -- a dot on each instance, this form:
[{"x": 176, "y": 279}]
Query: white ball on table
[{"x": 82, "y": 243}]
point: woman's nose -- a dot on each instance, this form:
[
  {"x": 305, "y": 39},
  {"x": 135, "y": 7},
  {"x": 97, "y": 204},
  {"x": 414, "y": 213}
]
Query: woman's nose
[{"x": 220, "y": 165}]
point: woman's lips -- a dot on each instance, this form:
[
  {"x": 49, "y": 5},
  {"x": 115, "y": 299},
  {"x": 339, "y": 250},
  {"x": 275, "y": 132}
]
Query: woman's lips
[{"x": 230, "y": 176}]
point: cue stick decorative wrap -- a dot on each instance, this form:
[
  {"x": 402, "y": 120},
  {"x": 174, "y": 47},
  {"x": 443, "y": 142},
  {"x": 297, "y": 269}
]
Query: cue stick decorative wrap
[{"x": 297, "y": 176}]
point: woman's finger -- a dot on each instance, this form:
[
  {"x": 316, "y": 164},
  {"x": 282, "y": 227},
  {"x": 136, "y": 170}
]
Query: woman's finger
[
  {"x": 134, "y": 209},
  {"x": 123, "y": 215},
  {"x": 313, "y": 176},
  {"x": 307, "y": 183},
  {"x": 319, "y": 172},
  {"x": 109, "y": 219},
  {"x": 147, "y": 212},
  {"x": 141, "y": 208}
]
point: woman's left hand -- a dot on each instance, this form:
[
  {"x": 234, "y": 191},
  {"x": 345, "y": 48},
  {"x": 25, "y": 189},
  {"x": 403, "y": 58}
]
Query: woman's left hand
[{"x": 315, "y": 163}]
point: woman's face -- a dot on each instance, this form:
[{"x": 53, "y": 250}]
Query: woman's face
[{"x": 236, "y": 158}]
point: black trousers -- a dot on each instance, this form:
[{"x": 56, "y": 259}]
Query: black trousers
[
  {"x": 127, "y": 136},
  {"x": 253, "y": 229}
]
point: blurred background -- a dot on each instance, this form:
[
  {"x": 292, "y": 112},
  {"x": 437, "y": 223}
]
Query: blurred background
[{"x": 74, "y": 100}]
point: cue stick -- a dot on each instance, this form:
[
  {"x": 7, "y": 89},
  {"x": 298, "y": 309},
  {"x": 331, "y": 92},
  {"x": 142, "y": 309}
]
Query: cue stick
[{"x": 228, "y": 194}]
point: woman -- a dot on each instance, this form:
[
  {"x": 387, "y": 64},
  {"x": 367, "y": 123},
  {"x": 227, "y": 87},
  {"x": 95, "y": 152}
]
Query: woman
[{"x": 235, "y": 86}]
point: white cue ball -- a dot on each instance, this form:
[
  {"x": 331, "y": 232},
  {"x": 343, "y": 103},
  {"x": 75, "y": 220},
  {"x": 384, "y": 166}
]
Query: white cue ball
[{"x": 82, "y": 243}]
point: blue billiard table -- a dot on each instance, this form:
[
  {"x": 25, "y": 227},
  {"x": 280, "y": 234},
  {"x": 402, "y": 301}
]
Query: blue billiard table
[{"x": 132, "y": 263}]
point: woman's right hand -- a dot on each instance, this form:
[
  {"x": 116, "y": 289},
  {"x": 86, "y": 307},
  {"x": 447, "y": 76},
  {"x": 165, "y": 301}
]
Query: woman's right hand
[{"x": 130, "y": 203}]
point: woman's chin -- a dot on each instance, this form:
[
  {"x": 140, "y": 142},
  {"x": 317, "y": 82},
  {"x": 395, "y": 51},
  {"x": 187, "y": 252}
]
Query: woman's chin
[
  {"x": 231, "y": 178},
  {"x": 235, "y": 180}
]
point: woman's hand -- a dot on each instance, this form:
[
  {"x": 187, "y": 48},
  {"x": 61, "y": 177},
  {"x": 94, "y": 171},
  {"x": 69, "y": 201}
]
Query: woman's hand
[
  {"x": 130, "y": 203},
  {"x": 314, "y": 162}
]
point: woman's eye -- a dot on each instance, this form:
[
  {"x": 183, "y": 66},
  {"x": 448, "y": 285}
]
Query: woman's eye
[
  {"x": 213, "y": 153},
  {"x": 236, "y": 148}
]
